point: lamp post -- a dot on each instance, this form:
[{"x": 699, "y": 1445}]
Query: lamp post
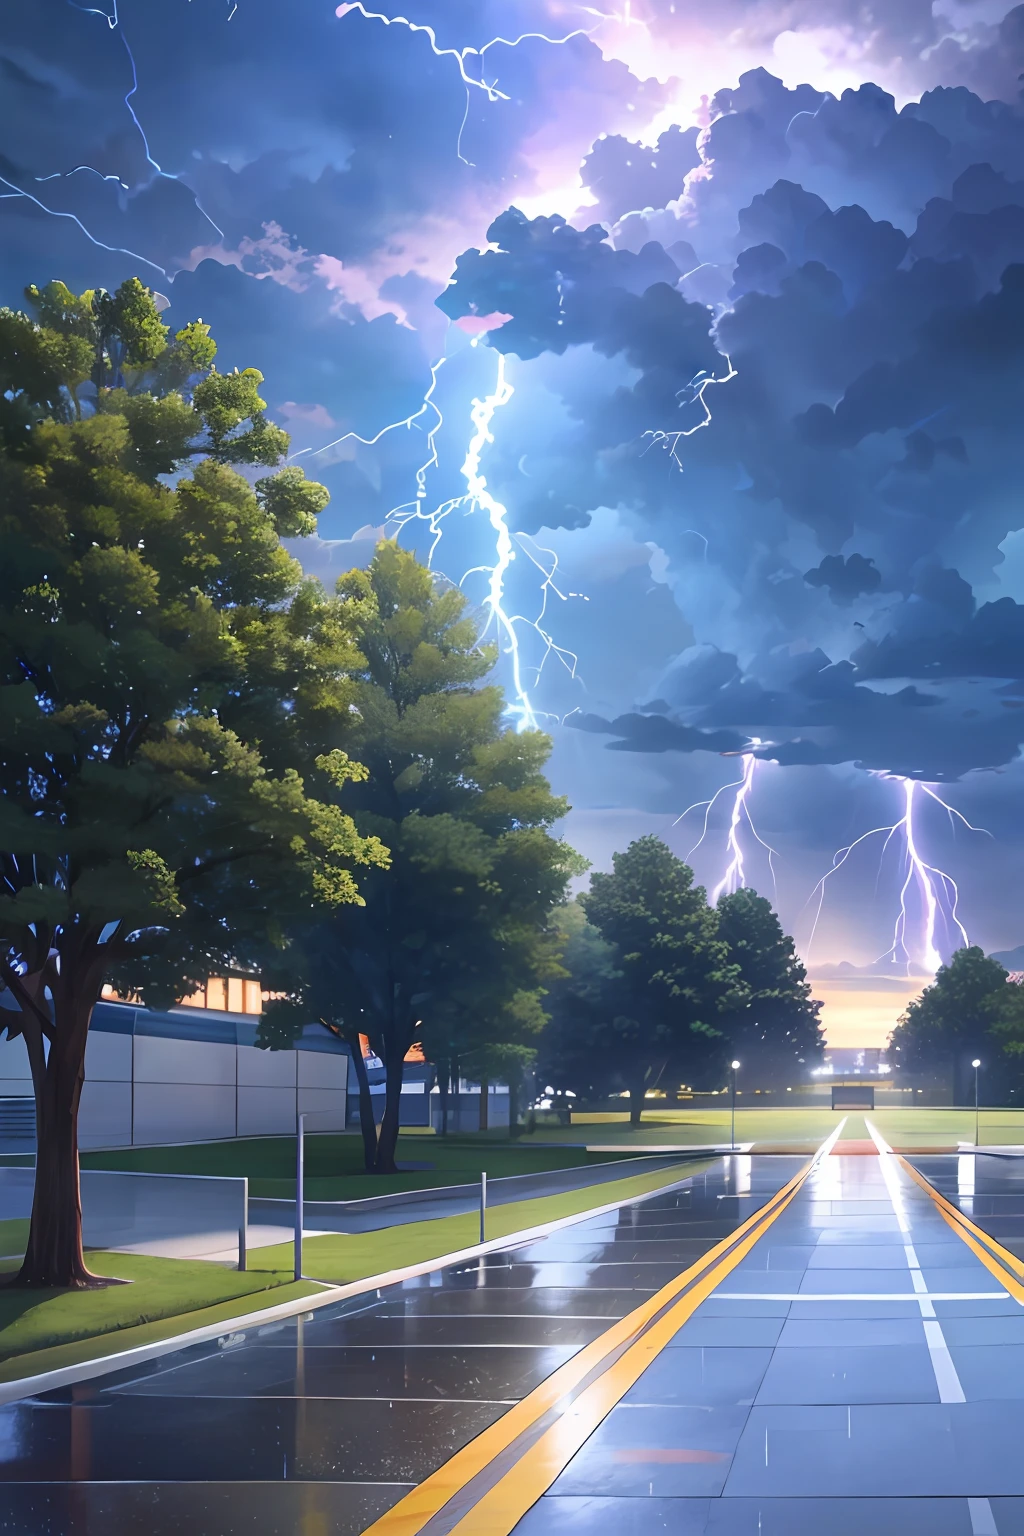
[
  {"x": 976, "y": 1064},
  {"x": 735, "y": 1068}
]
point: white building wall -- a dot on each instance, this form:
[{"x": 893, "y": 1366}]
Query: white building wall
[{"x": 145, "y": 1089}]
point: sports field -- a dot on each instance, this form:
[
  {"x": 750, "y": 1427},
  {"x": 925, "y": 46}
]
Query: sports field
[{"x": 773, "y": 1129}]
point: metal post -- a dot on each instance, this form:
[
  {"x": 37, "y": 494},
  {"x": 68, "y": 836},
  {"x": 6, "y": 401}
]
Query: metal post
[
  {"x": 243, "y": 1228},
  {"x": 483, "y": 1207},
  {"x": 734, "y": 1065},
  {"x": 976, "y": 1064},
  {"x": 300, "y": 1128}
]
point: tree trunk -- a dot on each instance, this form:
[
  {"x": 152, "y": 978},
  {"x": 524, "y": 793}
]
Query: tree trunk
[
  {"x": 54, "y": 1254},
  {"x": 636, "y": 1103},
  {"x": 513, "y": 1106},
  {"x": 387, "y": 1139},
  {"x": 484, "y": 1104},
  {"x": 366, "y": 1124}
]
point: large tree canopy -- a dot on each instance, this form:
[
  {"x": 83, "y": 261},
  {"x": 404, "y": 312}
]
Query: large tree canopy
[
  {"x": 970, "y": 1010},
  {"x": 152, "y": 635},
  {"x": 674, "y": 980},
  {"x": 777, "y": 1030},
  {"x": 453, "y": 934}
]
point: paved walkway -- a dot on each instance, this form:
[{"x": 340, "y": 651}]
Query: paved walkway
[
  {"x": 317, "y": 1426},
  {"x": 765, "y": 1352},
  {"x": 860, "y": 1370}
]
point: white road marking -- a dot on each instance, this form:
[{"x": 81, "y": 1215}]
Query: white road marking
[
  {"x": 946, "y": 1379},
  {"x": 861, "y": 1296}
]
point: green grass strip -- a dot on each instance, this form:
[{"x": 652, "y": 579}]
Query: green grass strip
[
  {"x": 342, "y": 1258},
  {"x": 165, "y": 1295}
]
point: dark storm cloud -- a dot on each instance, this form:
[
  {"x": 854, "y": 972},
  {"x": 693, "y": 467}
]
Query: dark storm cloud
[
  {"x": 831, "y": 539},
  {"x": 859, "y": 472},
  {"x": 845, "y": 577}
]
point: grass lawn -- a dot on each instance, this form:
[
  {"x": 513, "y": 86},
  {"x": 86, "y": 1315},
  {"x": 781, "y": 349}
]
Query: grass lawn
[
  {"x": 165, "y": 1297},
  {"x": 343, "y": 1258},
  {"x": 797, "y": 1128},
  {"x": 334, "y": 1164}
]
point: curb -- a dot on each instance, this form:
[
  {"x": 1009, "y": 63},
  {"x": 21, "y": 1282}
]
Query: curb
[
  {"x": 494, "y": 1186},
  {"x": 106, "y": 1365}
]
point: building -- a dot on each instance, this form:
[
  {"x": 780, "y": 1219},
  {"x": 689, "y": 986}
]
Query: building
[{"x": 193, "y": 1073}]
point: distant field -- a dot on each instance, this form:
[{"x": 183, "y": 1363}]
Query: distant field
[{"x": 911, "y": 1128}]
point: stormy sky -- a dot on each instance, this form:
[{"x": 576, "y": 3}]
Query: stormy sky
[{"x": 740, "y": 289}]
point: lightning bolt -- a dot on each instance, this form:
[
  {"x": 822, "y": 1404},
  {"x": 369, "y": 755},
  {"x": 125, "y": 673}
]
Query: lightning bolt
[
  {"x": 462, "y": 56},
  {"x": 428, "y": 406},
  {"x": 734, "y": 877},
  {"x": 691, "y": 394},
  {"x": 113, "y": 20},
  {"x": 938, "y": 896},
  {"x": 479, "y": 496}
]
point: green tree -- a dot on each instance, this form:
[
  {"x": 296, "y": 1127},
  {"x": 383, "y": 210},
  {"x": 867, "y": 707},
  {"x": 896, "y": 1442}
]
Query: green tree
[
  {"x": 777, "y": 1029},
  {"x": 950, "y": 1023},
  {"x": 145, "y": 840},
  {"x": 581, "y": 1004},
  {"x": 463, "y": 805},
  {"x": 676, "y": 980}
]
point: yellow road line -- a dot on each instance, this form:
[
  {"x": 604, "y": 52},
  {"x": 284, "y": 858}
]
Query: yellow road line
[
  {"x": 558, "y": 1444},
  {"x": 1006, "y": 1267}
]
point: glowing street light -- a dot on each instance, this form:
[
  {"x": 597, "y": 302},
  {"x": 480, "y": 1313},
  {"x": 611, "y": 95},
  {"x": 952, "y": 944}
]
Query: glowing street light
[
  {"x": 735, "y": 1068},
  {"x": 976, "y": 1063}
]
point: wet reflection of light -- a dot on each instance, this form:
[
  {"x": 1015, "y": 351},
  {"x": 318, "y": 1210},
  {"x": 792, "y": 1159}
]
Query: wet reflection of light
[
  {"x": 827, "y": 1179},
  {"x": 739, "y": 1174},
  {"x": 966, "y": 1166}
]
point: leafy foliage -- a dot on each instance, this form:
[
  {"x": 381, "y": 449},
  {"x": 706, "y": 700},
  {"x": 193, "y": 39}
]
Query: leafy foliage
[
  {"x": 674, "y": 978},
  {"x": 453, "y": 935},
  {"x": 970, "y": 1010},
  {"x": 151, "y": 637},
  {"x": 777, "y": 1030}
]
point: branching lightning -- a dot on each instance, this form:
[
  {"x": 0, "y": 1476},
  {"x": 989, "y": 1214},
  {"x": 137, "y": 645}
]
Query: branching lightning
[
  {"x": 734, "y": 877},
  {"x": 690, "y": 394},
  {"x": 428, "y": 406},
  {"x": 462, "y": 56},
  {"x": 113, "y": 20},
  {"x": 938, "y": 896},
  {"x": 478, "y": 497}
]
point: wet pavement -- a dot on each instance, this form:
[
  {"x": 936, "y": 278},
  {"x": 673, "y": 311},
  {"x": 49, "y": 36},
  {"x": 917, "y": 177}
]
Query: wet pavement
[
  {"x": 320, "y": 1424},
  {"x": 987, "y": 1186},
  {"x": 858, "y": 1371}
]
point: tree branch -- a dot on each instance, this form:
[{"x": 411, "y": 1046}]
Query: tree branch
[{"x": 26, "y": 1002}]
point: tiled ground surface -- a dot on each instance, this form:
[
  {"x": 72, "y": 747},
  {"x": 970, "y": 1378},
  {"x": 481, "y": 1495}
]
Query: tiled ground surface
[
  {"x": 859, "y": 1371},
  {"x": 318, "y": 1426}
]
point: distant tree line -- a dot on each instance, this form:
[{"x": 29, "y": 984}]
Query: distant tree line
[{"x": 660, "y": 987}]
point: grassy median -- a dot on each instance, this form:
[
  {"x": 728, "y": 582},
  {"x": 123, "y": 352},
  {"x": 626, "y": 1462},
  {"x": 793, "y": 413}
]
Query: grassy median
[
  {"x": 334, "y": 1164},
  {"x": 342, "y": 1258},
  {"x": 44, "y": 1330}
]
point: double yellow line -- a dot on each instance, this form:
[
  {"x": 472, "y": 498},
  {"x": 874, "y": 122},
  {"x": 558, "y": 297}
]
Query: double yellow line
[
  {"x": 1006, "y": 1267},
  {"x": 490, "y": 1484}
]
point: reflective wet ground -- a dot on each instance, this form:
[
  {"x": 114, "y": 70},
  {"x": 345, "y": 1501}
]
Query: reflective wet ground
[
  {"x": 319, "y": 1425},
  {"x": 988, "y": 1187},
  {"x": 859, "y": 1371}
]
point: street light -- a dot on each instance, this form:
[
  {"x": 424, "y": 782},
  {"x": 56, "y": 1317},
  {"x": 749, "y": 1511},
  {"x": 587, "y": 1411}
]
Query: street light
[
  {"x": 735, "y": 1068},
  {"x": 976, "y": 1064}
]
